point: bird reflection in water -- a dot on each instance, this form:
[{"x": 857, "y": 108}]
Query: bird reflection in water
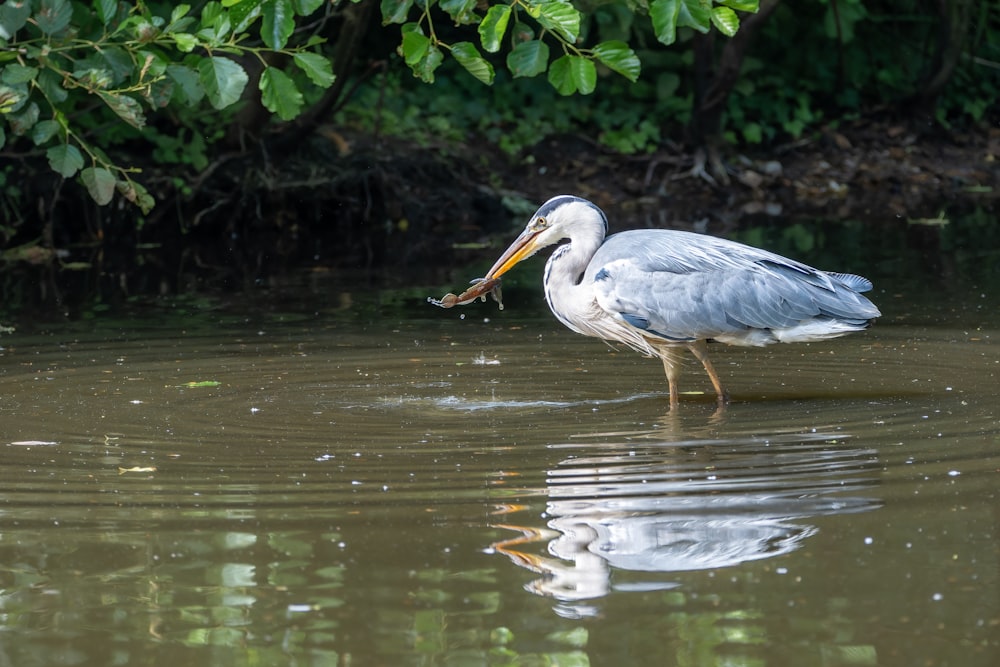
[{"x": 678, "y": 507}]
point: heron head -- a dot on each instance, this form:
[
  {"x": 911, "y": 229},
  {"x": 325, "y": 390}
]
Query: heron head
[{"x": 561, "y": 217}]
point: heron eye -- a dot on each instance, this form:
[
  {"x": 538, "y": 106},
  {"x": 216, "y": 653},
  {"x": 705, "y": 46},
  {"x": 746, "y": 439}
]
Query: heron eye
[{"x": 541, "y": 223}]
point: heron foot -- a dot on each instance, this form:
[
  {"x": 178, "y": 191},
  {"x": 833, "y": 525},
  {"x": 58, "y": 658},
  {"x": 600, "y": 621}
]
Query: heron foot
[{"x": 722, "y": 398}]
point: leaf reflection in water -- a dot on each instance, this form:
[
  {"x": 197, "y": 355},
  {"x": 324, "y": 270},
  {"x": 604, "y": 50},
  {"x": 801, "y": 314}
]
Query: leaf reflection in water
[{"x": 675, "y": 507}]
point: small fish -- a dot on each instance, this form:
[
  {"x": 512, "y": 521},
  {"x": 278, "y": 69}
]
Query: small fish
[
  {"x": 122, "y": 471},
  {"x": 479, "y": 290}
]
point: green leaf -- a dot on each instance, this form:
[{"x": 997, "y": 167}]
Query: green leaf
[
  {"x": 420, "y": 54},
  {"x": 211, "y": 13},
  {"x": 278, "y": 23},
  {"x": 126, "y": 107},
  {"x": 118, "y": 62},
  {"x": 12, "y": 98},
  {"x": 152, "y": 64},
  {"x": 143, "y": 30},
  {"x": 316, "y": 67},
  {"x": 181, "y": 25},
  {"x": 186, "y": 43},
  {"x": 493, "y": 27},
  {"x": 694, "y": 14},
  {"x": 307, "y": 7},
  {"x": 521, "y": 32},
  {"x": 137, "y": 194},
  {"x": 159, "y": 92},
  {"x": 180, "y": 11},
  {"x": 528, "y": 58},
  {"x": 560, "y": 77},
  {"x": 725, "y": 20},
  {"x": 415, "y": 44},
  {"x": 573, "y": 74},
  {"x": 462, "y": 12},
  {"x": 14, "y": 74},
  {"x": 468, "y": 57},
  {"x": 430, "y": 62},
  {"x": 560, "y": 17},
  {"x": 96, "y": 71},
  {"x": 20, "y": 123},
  {"x": 395, "y": 11},
  {"x": 244, "y": 13},
  {"x": 188, "y": 86},
  {"x": 52, "y": 85},
  {"x": 53, "y": 15},
  {"x": 663, "y": 14},
  {"x": 43, "y": 131},
  {"x": 279, "y": 94},
  {"x": 3, "y": 137},
  {"x": 223, "y": 80},
  {"x": 218, "y": 27},
  {"x": 584, "y": 74},
  {"x": 752, "y": 6},
  {"x": 617, "y": 56},
  {"x": 106, "y": 10},
  {"x": 100, "y": 184},
  {"x": 65, "y": 159},
  {"x": 13, "y": 16}
]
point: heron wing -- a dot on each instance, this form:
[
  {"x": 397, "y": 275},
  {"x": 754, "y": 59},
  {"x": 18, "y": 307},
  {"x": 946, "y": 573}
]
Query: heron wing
[{"x": 682, "y": 287}]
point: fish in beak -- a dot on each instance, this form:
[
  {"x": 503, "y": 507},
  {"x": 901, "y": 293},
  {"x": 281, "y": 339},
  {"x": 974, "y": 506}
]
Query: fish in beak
[{"x": 524, "y": 246}]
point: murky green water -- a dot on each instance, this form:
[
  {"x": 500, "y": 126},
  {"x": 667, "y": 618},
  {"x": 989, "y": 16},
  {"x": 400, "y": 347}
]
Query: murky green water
[{"x": 430, "y": 490}]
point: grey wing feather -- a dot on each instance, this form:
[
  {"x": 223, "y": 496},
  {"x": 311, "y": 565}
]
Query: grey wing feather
[
  {"x": 856, "y": 283},
  {"x": 685, "y": 286}
]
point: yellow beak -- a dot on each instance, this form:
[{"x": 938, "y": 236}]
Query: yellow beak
[{"x": 524, "y": 246}]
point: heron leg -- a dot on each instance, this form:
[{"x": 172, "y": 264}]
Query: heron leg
[
  {"x": 672, "y": 367},
  {"x": 700, "y": 350}
]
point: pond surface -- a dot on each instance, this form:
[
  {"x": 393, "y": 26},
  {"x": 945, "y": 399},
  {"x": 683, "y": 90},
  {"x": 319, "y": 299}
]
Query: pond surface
[{"x": 433, "y": 489}]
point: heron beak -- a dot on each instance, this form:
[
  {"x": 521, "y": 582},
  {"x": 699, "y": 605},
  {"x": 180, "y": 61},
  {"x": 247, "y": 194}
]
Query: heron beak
[{"x": 524, "y": 246}]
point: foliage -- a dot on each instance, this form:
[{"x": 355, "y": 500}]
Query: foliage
[
  {"x": 512, "y": 115},
  {"x": 70, "y": 70},
  {"x": 809, "y": 66},
  {"x": 530, "y": 26},
  {"x": 82, "y": 78},
  {"x": 850, "y": 57}
]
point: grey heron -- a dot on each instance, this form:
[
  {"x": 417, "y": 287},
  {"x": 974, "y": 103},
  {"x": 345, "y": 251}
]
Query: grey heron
[{"x": 659, "y": 291}]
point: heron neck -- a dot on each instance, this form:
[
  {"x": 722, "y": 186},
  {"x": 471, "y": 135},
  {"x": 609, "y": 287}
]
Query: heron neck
[
  {"x": 568, "y": 299},
  {"x": 570, "y": 260}
]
